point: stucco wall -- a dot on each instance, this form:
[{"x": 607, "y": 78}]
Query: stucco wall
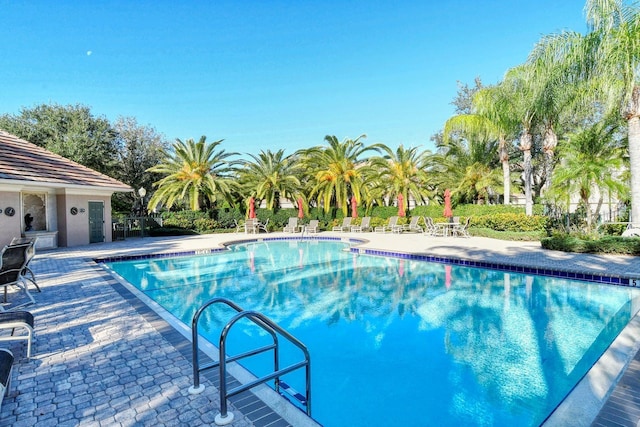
[{"x": 9, "y": 225}]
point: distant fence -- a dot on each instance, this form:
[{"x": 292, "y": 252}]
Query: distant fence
[{"x": 135, "y": 226}]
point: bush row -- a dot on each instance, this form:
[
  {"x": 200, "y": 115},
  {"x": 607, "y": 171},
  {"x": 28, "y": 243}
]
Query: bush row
[
  {"x": 604, "y": 245},
  {"x": 494, "y": 217}
]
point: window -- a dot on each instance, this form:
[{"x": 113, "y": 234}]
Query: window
[{"x": 34, "y": 209}]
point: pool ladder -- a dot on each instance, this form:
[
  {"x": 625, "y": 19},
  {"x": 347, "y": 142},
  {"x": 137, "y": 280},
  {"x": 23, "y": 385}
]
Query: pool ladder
[{"x": 225, "y": 417}]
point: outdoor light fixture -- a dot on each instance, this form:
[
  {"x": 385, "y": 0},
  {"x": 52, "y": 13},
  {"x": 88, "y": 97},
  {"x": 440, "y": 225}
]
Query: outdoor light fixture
[{"x": 142, "y": 192}]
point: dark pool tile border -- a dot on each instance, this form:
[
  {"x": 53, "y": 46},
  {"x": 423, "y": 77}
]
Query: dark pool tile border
[
  {"x": 562, "y": 274},
  {"x": 119, "y": 258},
  {"x": 513, "y": 268}
]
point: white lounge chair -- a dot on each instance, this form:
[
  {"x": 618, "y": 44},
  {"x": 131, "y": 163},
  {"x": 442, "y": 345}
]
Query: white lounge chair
[
  {"x": 364, "y": 225},
  {"x": 346, "y": 225},
  {"x": 391, "y": 226},
  {"x": 292, "y": 225},
  {"x": 413, "y": 225},
  {"x": 313, "y": 226}
]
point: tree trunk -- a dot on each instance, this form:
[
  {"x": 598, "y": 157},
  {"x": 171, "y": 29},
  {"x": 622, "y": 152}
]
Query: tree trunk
[
  {"x": 506, "y": 175},
  {"x": 525, "y": 147},
  {"x": 550, "y": 142},
  {"x": 634, "y": 165}
]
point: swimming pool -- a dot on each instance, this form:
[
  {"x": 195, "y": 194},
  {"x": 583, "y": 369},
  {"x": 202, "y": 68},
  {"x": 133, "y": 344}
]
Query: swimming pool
[{"x": 400, "y": 342}]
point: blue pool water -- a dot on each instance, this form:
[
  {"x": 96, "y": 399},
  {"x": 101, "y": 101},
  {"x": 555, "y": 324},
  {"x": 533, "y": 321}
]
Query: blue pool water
[{"x": 399, "y": 342}]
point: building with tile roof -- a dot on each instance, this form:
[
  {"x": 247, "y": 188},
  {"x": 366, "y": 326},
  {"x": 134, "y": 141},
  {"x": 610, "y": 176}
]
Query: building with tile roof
[{"x": 47, "y": 196}]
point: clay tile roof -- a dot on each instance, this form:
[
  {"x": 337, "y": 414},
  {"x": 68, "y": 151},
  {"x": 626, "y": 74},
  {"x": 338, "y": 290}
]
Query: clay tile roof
[{"x": 21, "y": 160}]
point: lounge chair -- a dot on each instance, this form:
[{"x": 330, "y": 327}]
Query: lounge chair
[
  {"x": 346, "y": 225},
  {"x": 20, "y": 320},
  {"x": 430, "y": 228},
  {"x": 6, "y": 366},
  {"x": 13, "y": 261},
  {"x": 392, "y": 226},
  {"x": 27, "y": 273},
  {"x": 313, "y": 226},
  {"x": 462, "y": 230},
  {"x": 292, "y": 226},
  {"x": 413, "y": 225},
  {"x": 364, "y": 225},
  {"x": 251, "y": 225}
]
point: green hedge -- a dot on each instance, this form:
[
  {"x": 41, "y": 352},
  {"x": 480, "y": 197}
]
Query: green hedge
[
  {"x": 510, "y": 222},
  {"x": 604, "y": 245}
]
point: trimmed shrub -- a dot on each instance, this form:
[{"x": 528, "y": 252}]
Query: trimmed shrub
[
  {"x": 510, "y": 222},
  {"x": 604, "y": 245}
]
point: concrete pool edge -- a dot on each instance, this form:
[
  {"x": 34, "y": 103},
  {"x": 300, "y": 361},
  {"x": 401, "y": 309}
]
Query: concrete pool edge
[{"x": 582, "y": 405}]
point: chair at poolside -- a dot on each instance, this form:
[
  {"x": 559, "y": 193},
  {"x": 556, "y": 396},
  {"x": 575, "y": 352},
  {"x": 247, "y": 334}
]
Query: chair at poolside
[
  {"x": 313, "y": 226},
  {"x": 364, "y": 225},
  {"x": 392, "y": 226},
  {"x": 292, "y": 225},
  {"x": 27, "y": 273},
  {"x": 13, "y": 261},
  {"x": 432, "y": 229},
  {"x": 21, "y": 321},
  {"x": 6, "y": 366},
  {"x": 461, "y": 230},
  {"x": 264, "y": 227},
  {"x": 413, "y": 225},
  {"x": 239, "y": 225},
  {"x": 251, "y": 225},
  {"x": 346, "y": 225}
]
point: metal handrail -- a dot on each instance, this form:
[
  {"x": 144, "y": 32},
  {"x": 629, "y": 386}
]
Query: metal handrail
[{"x": 269, "y": 326}]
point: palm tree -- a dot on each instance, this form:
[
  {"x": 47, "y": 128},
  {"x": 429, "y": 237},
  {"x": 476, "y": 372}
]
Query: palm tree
[
  {"x": 403, "y": 172},
  {"x": 469, "y": 167},
  {"x": 492, "y": 118},
  {"x": 521, "y": 86},
  {"x": 194, "y": 172},
  {"x": 591, "y": 159},
  {"x": 271, "y": 176},
  {"x": 616, "y": 55},
  {"x": 337, "y": 171}
]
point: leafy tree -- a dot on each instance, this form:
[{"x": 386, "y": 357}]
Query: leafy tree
[
  {"x": 271, "y": 176},
  {"x": 405, "y": 172},
  {"x": 194, "y": 173},
  {"x": 70, "y": 131},
  {"x": 139, "y": 148},
  {"x": 591, "y": 159},
  {"x": 469, "y": 168},
  {"x": 464, "y": 98},
  {"x": 614, "y": 50},
  {"x": 490, "y": 118},
  {"x": 338, "y": 171}
]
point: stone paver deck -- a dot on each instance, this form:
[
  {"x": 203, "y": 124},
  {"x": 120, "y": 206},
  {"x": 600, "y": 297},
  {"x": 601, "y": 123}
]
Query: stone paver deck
[{"x": 102, "y": 357}]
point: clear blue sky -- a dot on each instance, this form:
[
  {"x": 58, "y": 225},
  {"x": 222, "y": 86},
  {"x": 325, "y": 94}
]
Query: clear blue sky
[{"x": 268, "y": 74}]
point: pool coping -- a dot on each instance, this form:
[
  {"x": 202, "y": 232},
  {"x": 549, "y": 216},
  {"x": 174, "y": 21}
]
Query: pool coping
[{"x": 591, "y": 392}]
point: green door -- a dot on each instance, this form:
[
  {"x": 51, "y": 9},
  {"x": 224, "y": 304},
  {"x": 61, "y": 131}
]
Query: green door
[{"x": 96, "y": 222}]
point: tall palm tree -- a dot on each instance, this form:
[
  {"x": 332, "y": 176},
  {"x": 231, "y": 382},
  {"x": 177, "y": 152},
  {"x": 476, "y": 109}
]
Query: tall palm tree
[
  {"x": 271, "y": 176},
  {"x": 194, "y": 173},
  {"x": 403, "y": 172},
  {"x": 338, "y": 171},
  {"x": 521, "y": 85},
  {"x": 491, "y": 118},
  {"x": 591, "y": 159},
  {"x": 616, "y": 55}
]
